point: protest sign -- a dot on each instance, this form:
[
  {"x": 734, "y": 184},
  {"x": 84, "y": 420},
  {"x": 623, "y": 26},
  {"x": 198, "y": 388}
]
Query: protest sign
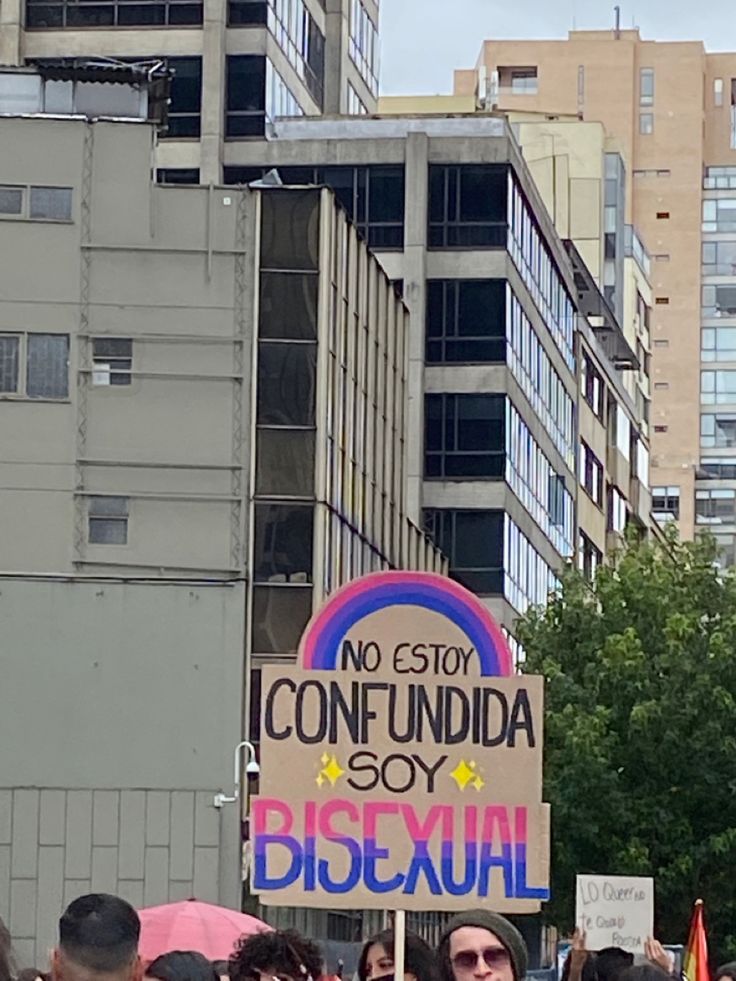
[
  {"x": 401, "y": 760},
  {"x": 615, "y": 911}
]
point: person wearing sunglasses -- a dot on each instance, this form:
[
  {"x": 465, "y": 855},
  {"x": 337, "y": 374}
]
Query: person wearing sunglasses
[
  {"x": 482, "y": 946},
  {"x": 279, "y": 955},
  {"x": 377, "y": 959}
]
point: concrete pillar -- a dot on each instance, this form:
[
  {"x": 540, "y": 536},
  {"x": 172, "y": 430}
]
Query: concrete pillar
[
  {"x": 415, "y": 295},
  {"x": 337, "y": 36},
  {"x": 11, "y": 28},
  {"x": 213, "y": 89}
]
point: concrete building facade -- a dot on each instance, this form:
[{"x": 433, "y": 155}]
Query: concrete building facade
[
  {"x": 581, "y": 180},
  {"x": 670, "y": 107},
  {"x": 459, "y": 225},
  {"x": 238, "y": 64},
  {"x": 205, "y": 397}
]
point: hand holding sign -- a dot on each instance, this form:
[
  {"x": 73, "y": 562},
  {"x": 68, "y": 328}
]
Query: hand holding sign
[{"x": 656, "y": 954}]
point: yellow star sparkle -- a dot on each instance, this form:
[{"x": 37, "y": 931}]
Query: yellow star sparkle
[
  {"x": 465, "y": 773},
  {"x": 331, "y": 770}
]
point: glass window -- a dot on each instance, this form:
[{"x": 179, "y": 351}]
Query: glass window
[
  {"x": 718, "y": 430},
  {"x": 524, "y": 81},
  {"x": 719, "y": 258},
  {"x": 245, "y": 95},
  {"x": 467, "y": 206},
  {"x": 9, "y": 363},
  {"x": 373, "y": 197},
  {"x": 717, "y": 92},
  {"x": 466, "y": 321},
  {"x": 286, "y": 384},
  {"x": 719, "y": 301},
  {"x": 112, "y": 358},
  {"x": 646, "y": 87},
  {"x": 112, "y": 13},
  {"x": 715, "y": 506},
  {"x": 718, "y": 344},
  {"x": 285, "y": 463},
  {"x": 177, "y": 175},
  {"x": 592, "y": 385},
  {"x": 51, "y": 203},
  {"x": 589, "y": 557},
  {"x": 185, "y": 105},
  {"x": 666, "y": 503},
  {"x": 591, "y": 474},
  {"x": 288, "y": 305},
  {"x": 47, "y": 368},
  {"x": 364, "y": 45},
  {"x": 539, "y": 380},
  {"x": 283, "y": 543},
  {"x": 280, "y": 614},
  {"x": 108, "y": 520},
  {"x": 719, "y": 215},
  {"x": 11, "y": 200},
  {"x": 646, "y": 123},
  {"x": 290, "y": 229},
  {"x": 718, "y": 387},
  {"x": 535, "y": 482},
  {"x": 246, "y": 13},
  {"x": 473, "y": 542},
  {"x": 464, "y": 436}
]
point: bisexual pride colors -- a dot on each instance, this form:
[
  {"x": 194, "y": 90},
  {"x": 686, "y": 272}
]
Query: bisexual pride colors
[{"x": 401, "y": 761}]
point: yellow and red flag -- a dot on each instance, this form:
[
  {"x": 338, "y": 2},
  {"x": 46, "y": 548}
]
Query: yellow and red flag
[{"x": 695, "y": 964}]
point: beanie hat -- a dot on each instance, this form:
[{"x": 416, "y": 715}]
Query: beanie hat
[{"x": 506, "y": 932}]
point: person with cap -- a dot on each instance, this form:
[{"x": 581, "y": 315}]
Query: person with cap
[{"x": 482, "y": 946}]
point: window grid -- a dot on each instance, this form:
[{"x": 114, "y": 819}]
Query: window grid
[
  {"x": 107, "y": 520},
  {"x": 591, "y": 474},
  {"x": 528, "y": 580},
  {"x": 539, "y": 381},
  {"x": 540, "y": 275},
  {"x": 54, "y": 14},
  {"x": 364, "y": 45},
  {"x": 464, "y": 436},
  {"x": 536, "y": 483},
  {"x": 34, "y": 366},
  {"x": 36, "y": 202},
  {"x": 666, "y": 503}
]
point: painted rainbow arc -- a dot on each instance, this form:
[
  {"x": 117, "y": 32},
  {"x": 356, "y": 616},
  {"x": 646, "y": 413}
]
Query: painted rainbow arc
[{"x": 321, "y": 643}]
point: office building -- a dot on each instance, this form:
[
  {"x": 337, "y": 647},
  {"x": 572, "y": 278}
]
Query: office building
[
  {"x": 671, "y": 107},
  {"x": 237, "y": 65},
  {"x": 450, "y": 208},
  {"x": 583, "y": 183},
  {"x": 204, "y": 402}
]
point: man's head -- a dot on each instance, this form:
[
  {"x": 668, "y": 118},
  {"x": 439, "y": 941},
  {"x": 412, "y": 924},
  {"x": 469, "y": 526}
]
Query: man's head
[
  {"x": 98, "y": 939},
  {"x": 611, "y": 962},
  {"x": 482, "y": 946},
  {"x": 279, "y": 954}
]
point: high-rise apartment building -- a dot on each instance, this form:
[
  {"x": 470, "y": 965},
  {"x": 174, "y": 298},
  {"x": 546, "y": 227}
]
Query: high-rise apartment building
[
  {"x": 671, "y": 108},
  {"x": 204, "y": 398},
  {"x": 238, "y": 64},
  {"x": 500, "y": 319}
]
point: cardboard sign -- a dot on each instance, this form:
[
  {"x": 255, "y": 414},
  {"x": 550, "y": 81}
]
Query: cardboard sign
[
  {"x": 615, "y": 911},
  {"x": 401, "y": 762}
]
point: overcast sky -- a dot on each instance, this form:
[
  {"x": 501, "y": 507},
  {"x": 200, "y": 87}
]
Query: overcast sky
[{"x": 422, "y": 41}]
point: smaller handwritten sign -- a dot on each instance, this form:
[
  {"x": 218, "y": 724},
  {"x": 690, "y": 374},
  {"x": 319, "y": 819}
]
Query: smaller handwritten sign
[{"x": 615, "y": 911}]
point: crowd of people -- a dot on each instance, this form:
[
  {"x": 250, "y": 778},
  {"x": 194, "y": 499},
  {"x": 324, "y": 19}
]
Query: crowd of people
[{"x": 99, "y": 939}]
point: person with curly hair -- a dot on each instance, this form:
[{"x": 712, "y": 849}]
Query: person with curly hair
[{"x": 280, "y": 955}]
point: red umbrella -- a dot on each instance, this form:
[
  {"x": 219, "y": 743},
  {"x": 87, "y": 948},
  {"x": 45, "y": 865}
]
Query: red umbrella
[{"x": 190, "y": 925}]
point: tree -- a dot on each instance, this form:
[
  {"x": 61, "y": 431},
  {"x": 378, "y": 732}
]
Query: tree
[{"x": 640, "y": 741}]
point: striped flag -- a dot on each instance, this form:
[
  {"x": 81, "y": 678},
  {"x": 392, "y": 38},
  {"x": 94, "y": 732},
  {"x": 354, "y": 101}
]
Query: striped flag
[{"x": 695, "y": 965}]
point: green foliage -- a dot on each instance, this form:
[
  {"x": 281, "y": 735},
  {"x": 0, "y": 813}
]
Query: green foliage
[{"x": 640, "y": 741}]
